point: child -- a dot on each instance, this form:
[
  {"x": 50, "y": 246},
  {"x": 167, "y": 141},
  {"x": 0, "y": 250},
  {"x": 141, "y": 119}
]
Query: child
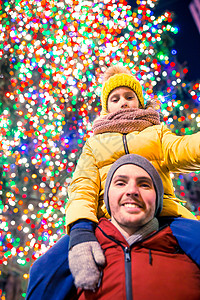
[{"x": 125, "y": 126}]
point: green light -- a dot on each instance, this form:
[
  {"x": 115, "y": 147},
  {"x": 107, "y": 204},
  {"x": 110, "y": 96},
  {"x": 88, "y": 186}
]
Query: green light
[
  {"x": 48, "y": 133},
  {"x": 47, "y": 32},
  {"x": 129, "y": 12},
  {"x": 8, "y": 253},
  {"x": 23, "y": 262},
  {"x": 90, "y": 78}
]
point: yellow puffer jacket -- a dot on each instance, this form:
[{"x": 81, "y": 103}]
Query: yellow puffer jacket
[{"x": 166, "y": 151}]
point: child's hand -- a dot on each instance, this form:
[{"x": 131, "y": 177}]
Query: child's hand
[{"x": 84, "y": 262}]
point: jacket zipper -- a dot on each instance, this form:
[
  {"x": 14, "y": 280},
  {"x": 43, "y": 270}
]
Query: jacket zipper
[
  {"x": 125, "y": 143},
  {"x": 127, "y": 258},
  {"x": 128, "y": 277}
]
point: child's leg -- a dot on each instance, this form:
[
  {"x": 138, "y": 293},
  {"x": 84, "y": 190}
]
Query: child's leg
[{"x": 50, "y": 277}]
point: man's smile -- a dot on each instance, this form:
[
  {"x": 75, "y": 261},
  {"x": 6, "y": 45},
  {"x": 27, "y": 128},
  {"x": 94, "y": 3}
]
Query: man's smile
[{"x": 132, "y": 205}]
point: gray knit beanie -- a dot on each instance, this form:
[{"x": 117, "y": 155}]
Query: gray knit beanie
[{"x": 142, "y": 162}]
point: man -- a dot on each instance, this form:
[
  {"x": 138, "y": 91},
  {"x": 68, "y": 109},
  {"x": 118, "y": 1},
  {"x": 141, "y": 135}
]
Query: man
[{"x": 143, "y": 260}]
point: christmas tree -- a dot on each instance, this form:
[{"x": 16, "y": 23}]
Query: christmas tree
[{"x": 52, "y": 56}]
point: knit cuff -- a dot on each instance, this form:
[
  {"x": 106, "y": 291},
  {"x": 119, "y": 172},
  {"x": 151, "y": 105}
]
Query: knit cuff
[
  {"x": 80, "y": 235},
  {"x": 84, "y": 224}
]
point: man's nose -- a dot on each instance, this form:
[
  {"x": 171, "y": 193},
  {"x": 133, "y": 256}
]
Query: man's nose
[{"x": 132, "y": 189}]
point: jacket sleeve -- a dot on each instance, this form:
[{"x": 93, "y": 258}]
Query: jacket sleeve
[
  {"x": 84, "y": 189},
  {"x": 186, "y": 232},
  {"x": 181, "y": 153}
]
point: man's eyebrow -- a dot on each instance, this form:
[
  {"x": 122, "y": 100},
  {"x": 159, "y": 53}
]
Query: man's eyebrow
[
  {"x": 144, "y": 178},
  {"x": 120, "y": 177}
]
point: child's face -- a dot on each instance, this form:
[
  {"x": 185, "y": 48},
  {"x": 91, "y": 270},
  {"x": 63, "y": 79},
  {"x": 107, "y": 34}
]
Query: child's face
[{"x": 120, "y": 98}]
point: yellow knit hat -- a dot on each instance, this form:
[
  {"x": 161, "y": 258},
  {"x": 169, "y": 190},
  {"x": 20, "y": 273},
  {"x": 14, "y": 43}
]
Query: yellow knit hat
[{"x": 119, "y": 80}]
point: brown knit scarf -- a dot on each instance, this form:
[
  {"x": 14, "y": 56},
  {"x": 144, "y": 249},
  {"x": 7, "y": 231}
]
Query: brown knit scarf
[{"x": 126, "y": 120}]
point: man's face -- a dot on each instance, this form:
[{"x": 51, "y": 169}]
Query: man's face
[
  {"x": 132, "y": 198},
  {"x": 121, "y": 98}
]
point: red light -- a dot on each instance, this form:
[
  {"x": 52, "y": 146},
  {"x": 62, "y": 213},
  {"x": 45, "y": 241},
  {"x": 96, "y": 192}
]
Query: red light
[
  {"x": 7, "y": 94},
  {"x": 185, "y": 71}
]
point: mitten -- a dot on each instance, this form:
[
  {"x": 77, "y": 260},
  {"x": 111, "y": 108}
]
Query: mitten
[
  {"x": 86, "y": 257},
  {"x": 85, "y": 260}
]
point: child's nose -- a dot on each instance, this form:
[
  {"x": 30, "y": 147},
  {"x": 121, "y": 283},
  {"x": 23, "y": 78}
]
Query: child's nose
[{"x": 124, "y": 103}]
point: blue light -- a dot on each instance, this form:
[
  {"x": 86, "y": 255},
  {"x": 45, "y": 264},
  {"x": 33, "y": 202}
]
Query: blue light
[
  {"x": 66, "y": 141},
  {"x": 23, "y": 147}
]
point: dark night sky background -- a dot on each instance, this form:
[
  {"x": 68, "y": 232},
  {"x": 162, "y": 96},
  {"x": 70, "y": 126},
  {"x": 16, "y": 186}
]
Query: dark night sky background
[{"x": 187, "y": 41}]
